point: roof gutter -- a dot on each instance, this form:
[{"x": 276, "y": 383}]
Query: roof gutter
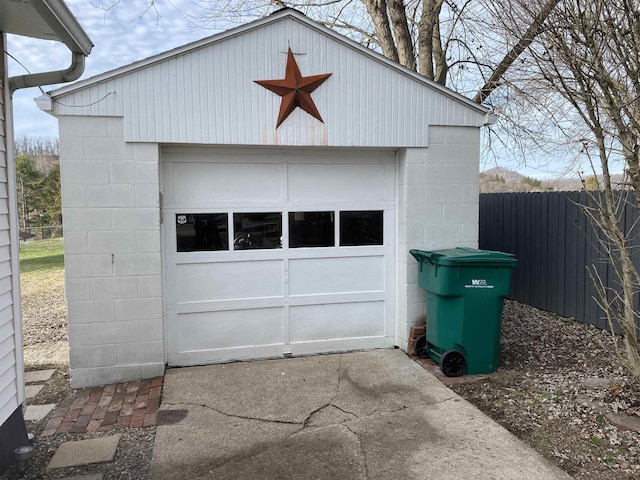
[
  {"x": 58, "y": 16},
  {"x": 72, "y": 73},
  {"x": 64, "y": 24}
]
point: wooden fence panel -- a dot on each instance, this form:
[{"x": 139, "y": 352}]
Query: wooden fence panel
[{"x": 555, "y": 246}]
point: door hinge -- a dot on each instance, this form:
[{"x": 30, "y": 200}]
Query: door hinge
[{"x": 161, "y": 209}]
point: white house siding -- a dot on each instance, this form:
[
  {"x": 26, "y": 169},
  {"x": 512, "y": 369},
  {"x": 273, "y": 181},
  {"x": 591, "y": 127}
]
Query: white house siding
[
  {"x": 438, "y": 205},
  {"x": 11, "y": 368},
  {"x": 206, "y": 95},
  {"x": 112, "y": 252}
]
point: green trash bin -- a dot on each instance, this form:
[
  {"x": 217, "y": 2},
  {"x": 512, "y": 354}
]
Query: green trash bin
[{"x": 465, "y": 292}]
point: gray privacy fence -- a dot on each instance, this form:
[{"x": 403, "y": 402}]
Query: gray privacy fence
[{"x": 554, "y": 243}]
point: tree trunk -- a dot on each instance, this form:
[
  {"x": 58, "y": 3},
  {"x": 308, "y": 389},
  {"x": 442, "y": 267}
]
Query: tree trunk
[
  {"x": 401, "y": 33},
  {"x": 426, "y": 31},
  {"x": 378, "y": 11},
  {"x": 439, "y": 56}
]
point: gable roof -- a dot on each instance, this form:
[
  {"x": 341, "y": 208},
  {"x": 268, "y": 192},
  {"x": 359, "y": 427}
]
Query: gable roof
[
  {"x": 284, "y": 13},
  {"x": 216, "y": 101}
]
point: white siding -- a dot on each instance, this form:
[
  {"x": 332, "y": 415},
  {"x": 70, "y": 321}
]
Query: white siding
[
  {"x": 207, "y": 95},
  {"x": 10, "y": 335}
]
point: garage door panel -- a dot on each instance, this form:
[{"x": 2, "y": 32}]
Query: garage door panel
[
  {"x": 223, "y": 305},
  {"x": 316, "y": 276},
  {"x": 194, "y": 183},
  {"x": 230, "y": 329},
  {"x": 340, "y": 183},
  {"x": 327, "y": 286},
  {"x": 335, "y": 298},
  {"x": 201, "y": 282},
  {"x": 336, "y": 321}
]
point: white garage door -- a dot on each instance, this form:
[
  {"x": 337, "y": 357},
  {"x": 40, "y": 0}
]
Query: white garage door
[{"x": 271, "y": 253}]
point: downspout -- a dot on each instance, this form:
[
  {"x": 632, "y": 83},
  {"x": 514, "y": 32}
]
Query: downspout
[{"x": 72, "y": 73}]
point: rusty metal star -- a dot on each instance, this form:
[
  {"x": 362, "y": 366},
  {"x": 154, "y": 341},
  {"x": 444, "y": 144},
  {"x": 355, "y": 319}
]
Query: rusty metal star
[{"x": 295, "y": 90}]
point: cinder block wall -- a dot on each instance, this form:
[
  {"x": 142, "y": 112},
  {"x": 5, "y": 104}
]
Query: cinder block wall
[
  {"x": 113, "y": 261},
  {"x": 112, "y": 239},
  {"x": 438, "y": 201}
]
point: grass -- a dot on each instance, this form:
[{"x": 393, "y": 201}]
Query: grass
[
  {"x": 596, "y": 441},
  {"x": 541, "y": 440},
  {"x": 42, "y": 256}
]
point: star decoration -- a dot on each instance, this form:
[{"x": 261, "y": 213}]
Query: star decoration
[{"x": 295, "y": 90}]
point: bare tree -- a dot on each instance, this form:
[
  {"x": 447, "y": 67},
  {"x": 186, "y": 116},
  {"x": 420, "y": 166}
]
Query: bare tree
[
  {"x": 469, "y": 46},
  {"x": 524, "y": 40},
  {"x": 43, "y": 152},
  {"x": 589, "y": 57},
  {"x": 466, "y": 45},
  {"x": 437, "y": 38}
]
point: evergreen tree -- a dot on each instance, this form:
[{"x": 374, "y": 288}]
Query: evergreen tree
[
  {"x": 28, "y": 182},
  {"x": 38, "y": 184}
]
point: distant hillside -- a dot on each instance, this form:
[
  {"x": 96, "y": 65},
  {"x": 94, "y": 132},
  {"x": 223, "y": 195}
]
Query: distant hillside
[{"x": 505, "y": 180}]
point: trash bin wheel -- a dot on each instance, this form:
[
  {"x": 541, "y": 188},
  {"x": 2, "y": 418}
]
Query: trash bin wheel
[
  {"x": 421, "y": 347},
  {"x": 452, "y": 363}
]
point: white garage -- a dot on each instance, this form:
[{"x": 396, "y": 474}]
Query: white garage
[
  {"x": 271, "y": 252},
  {"x": 255, "y": 194}
]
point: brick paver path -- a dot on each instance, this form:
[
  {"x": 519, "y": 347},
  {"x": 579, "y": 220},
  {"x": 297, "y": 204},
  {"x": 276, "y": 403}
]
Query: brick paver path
[{"x": 109, "y": 407}]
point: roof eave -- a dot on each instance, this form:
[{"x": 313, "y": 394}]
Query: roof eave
[{"x": 61, "y": 20}]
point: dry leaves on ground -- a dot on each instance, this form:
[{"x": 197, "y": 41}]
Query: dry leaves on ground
[
  {"x": 557, "y": 381},
  {"x": 44, "y": 308}
]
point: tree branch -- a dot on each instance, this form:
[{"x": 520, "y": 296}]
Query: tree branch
[{"x": 528, "y": 37}]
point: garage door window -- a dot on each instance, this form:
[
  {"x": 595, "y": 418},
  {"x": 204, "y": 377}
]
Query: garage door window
[
  {"x": 257, "y": 230},
  {"x": 361, "y": 228},
  {"x": 311, "y": 229},
  {"x": 196, "y": 232},
  {"x": 201, "y": 232}
]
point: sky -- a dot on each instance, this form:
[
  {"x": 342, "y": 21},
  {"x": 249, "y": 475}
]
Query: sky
[{"x": 123, "y": 35}]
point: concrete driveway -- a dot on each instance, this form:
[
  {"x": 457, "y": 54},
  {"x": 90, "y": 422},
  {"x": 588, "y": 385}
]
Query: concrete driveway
[{"x": 365, "y": 415}]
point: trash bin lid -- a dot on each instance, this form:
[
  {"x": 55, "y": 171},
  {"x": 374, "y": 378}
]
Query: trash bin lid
[{"x": 465, "y": 256}]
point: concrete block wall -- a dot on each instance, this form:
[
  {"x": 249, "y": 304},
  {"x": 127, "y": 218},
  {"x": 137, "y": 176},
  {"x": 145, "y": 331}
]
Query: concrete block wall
[
  {"x": 438, "y": 202},
  {"x": 111, "y": 218}
]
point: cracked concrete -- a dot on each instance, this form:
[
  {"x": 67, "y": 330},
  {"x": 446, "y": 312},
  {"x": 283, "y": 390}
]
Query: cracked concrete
[
  {"x": 366, "y": 415},
  {"x": 363, "y": 453},
  {"x": 329, "y": 415}
]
